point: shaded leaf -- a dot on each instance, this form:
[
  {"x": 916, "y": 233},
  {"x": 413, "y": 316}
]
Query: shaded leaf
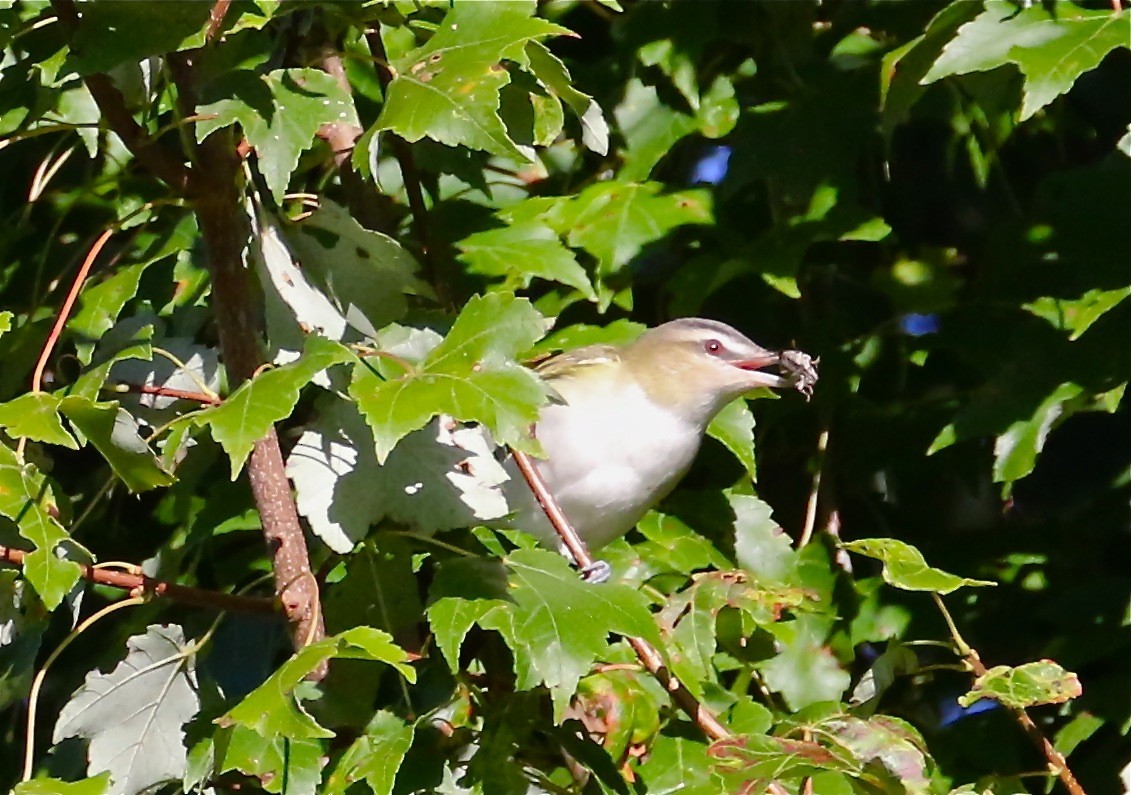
[
  {"x": 374, "y": 757},
  {"x": 114, "y": 433},
  {"x": 905, "y": 568},
  {"x": 109, "y": 32},
  {"x": 553, "y": 74},
  {"x": 134, "y": 715},
  {"x": 273, "y": 709},
  {"x": 1028, "y": 685}
]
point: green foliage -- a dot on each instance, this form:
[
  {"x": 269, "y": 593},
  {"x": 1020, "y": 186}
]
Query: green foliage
[{"x": 931, "y": 197}]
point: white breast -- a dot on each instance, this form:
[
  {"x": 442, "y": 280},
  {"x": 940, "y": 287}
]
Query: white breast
[{"x": 607, "y": 462}]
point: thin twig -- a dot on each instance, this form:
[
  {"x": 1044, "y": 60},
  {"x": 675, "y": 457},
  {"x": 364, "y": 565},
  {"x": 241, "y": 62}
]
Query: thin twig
[
  {"x": 647, "y": 654},
  {"x": 814, "y": 492},
  {"x": 163, "y": 163},
  {"x": 166, "y": 391},
  {"x": 409, "y": 175},
  {"x": 138, "y": 582},
  {"x": 1057, "y": 764}
]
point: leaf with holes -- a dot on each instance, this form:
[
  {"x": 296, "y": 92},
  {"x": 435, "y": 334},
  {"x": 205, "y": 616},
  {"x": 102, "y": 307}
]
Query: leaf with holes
[
  {"x": 134, "y": 716},
  {"x": 1028, "y": 685},
  {"x": 905, "y": 568},
  {"x": 471, "y": 376},
  {"x": 448, "y": 89},
  {"x": 555, "y": 623},
  {"x": 280, "y": 113}
]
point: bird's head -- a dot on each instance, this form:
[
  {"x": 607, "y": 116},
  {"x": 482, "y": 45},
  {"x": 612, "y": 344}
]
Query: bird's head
[{"x": 697, "y": 366}]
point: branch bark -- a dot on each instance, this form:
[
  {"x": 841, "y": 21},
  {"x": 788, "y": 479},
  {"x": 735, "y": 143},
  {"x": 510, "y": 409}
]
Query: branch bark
[
  {"x": 707, "y": 721},
  {"x": 138, "y": 583}
]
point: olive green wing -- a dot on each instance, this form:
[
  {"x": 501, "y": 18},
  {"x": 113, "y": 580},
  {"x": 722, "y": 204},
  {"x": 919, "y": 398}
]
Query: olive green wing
[{"x": 569, "y": 363}]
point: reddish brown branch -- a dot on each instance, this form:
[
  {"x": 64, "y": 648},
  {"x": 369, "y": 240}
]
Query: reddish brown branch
[
  {"x": 162, "y": 162},
  {"x": 65, "y": 310},
  {"x": 215, "y": 192},
  {"x": 1057, "y": 764},
  {"x": 216, "y": 19},
  {"x": 144, "y": 584},
  {"x": 166, "y": 391},
  {"x": 649, "y": 657}
]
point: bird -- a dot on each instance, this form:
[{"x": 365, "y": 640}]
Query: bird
[{"x": 624, "y": 423}]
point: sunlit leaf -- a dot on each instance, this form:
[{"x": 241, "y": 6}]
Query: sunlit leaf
[
  {"x": 1052, "y": 49},
  {"x": 374, "y": 757},
  {"x": 1028, "y": 685},
  {"x": 471, "y": 376},
  {"x": 35, "y": 415},
  {"x": 905, "y": 568}
]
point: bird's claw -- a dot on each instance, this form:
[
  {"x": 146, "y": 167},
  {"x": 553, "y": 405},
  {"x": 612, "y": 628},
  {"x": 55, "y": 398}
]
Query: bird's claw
[{"x": 597, "y": 572}]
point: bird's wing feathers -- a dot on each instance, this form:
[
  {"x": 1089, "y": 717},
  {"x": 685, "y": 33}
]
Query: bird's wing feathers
[{"x": 568, "y": 363}]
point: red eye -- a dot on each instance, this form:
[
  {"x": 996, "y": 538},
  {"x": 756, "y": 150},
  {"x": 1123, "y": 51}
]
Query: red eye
[{"x": 713, "y": 347}]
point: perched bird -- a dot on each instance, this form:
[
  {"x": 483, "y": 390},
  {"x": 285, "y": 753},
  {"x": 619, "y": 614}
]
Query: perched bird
[{"x": 626, "y": 421}]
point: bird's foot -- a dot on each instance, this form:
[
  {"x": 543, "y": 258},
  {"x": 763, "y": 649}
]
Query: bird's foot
[{"x": 597, "y": 572}]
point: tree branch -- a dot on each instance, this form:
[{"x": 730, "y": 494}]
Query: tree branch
[
  {"x": 215, "y": 192},
  {"x": 1057, "y": 764},
  {"x": 162, "y": 162},
  {"x": 649, "y": 657},
  {"x": 139, "y": 583}
]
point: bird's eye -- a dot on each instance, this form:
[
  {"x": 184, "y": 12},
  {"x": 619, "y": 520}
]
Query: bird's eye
[{"x": 713, "y": 347}]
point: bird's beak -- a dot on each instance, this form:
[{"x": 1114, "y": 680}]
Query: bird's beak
[{"x": 754, "y": 366}]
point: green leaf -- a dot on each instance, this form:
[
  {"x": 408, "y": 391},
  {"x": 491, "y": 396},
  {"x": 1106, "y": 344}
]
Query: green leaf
[
  {"x": 805, "y": 671},
  {"x": 95, "y": 785},
  {"x": 1077, "y": 315},
  {"x": 555, "y": 623},
  {"x": 760, "y": 545},
  {"x": 613, "y": 221},
  {"x": 1016, "y": 450},
  {"x": 134, "y": 716},
  {"x": 522, "y": 252},
  {"x": 763, "y": 758},
  {"x": 1051, "y": 46},
  {"x": 1028, "y": 685},
  {"x": 680, "y": 765},
  {"x": 374, "y": 757},
  {"x": 100, "y": 305},
  {"x": 273, "y": 709},
  {"x": 282, "y": 764},
  {"x": 734, "y": 428},
  {"x": 905, "y": 568},
  {"x": 113, "y": 432},
  {"x": 471, "y": 376},
  {"x": 117, "y": 33},
  {"x": 674, "y": 545},
  {"x": 553, "y": 74},
  {"x": 279, "y": 112},
  {"x": 35, "y": 416},
  {"x": 889, "y": 742},
  {"x": 5, "y": 322},
  {"x": 24, "y": 498},
  {"x": 650, "y": 129},
  {"x": 247, "y": 415},
  {"x": 448, "y": 89}
]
